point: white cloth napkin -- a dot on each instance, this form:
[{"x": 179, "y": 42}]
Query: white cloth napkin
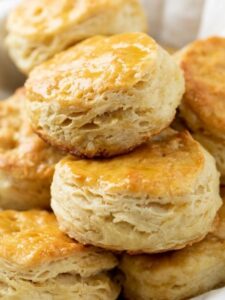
[
  {"x": 172, "y": 22},
  {"x": 178, "y": 22},
  {"x": 218, "y": 294}
]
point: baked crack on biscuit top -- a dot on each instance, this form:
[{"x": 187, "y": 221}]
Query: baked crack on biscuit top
[
  {"x": 39, "y": 29},
  {"x": 138, "y": 201},
  {"x": 105, "y": 96},
  {"x": 26, "y": 162},
  {"x": 179, "y": 274},
  {"x": 203, "y": 104},
  {"x": 38, "y": 260}
]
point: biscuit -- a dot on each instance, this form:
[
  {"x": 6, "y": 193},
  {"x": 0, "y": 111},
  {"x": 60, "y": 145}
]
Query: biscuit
[
  {"x": 203, "y": 105},
  {"x": 38, "y": 261},
  {"x": 137, "y": 202},
  {"x": 216, "y": 147},
  {"x": 39, "y": 29},
  {"x": 105, "y": 96},
  {"x": 179, "y": 274},
  {"x": 26, "y": 162}
]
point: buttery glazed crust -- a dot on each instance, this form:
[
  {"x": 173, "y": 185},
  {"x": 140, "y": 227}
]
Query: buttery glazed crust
[
  {"x": 101, "y": 63},
  {"x": 31, "y": 238},
  {"x": 203, "y": 106},
  {"x": 26, "y": 162},
  {"x": 36, "y": 259},
  {"x": 108, "y": 203},
  {"x": 44, "y": 28},
  {"x": 104, "y": 96},
  {"x": 180, "y": 274},
  {"x": 141, "y": 170}
]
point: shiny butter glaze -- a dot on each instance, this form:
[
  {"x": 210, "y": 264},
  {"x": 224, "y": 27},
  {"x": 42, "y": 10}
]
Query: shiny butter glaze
[
  {"x": 32, "y": 238},
  {"x": 169, "y": 166},
  {"x": 204, "y": 69},
  {"x": 95, "y": 66}
]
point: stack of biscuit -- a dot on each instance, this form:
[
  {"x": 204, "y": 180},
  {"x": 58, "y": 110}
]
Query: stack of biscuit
[{"x": 136, "y": 204}]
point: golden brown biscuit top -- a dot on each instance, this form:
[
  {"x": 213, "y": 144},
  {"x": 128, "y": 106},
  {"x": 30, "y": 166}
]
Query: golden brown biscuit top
[
  {"x": 39, "y": 19},
  {"x": 203, "y": 63},
  {"x": 21, "y": 150},
  {"x": 93, "y": 67},
  {"x": 32, "y": 238},
  {"x": 167, "y": 166}
]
